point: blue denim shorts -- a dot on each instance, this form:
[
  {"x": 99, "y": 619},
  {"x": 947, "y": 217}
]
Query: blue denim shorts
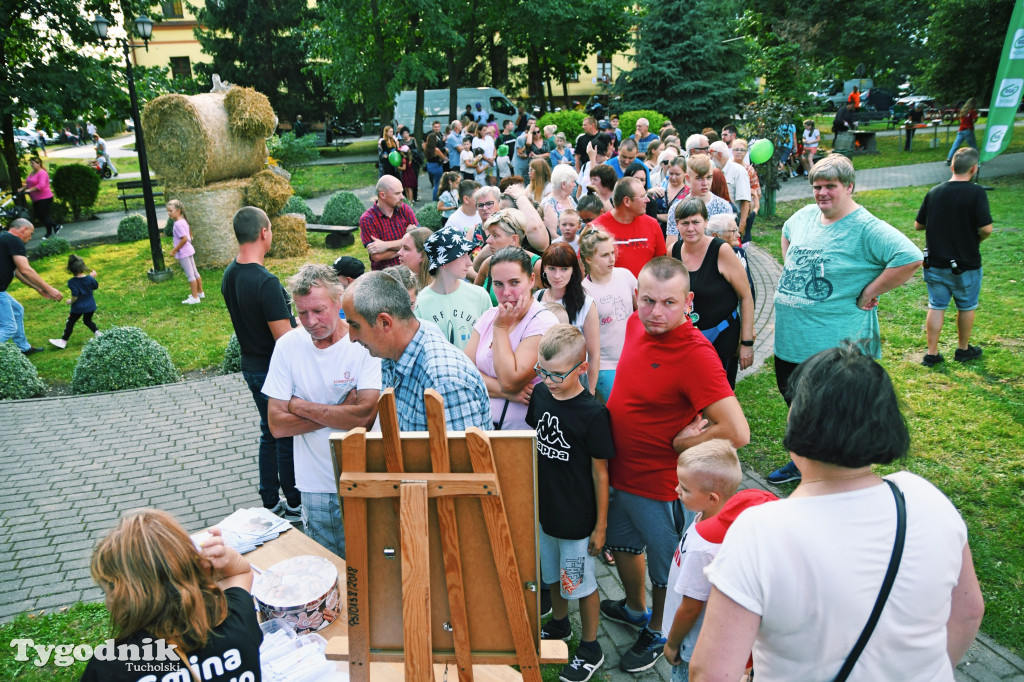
[
  {"x": 636, "y": 524},
  {"x": 944, "y": 285}
]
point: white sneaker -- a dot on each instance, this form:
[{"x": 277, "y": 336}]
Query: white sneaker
[
  {"x": 98, "y": 334},
  {"x": 60, "y": 343},
  {"x": 202, "y": 294},
  {"x": 190, "y": 300}
]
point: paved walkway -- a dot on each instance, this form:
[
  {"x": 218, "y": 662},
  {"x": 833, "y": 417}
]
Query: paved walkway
[{"x": 76, "y": 463}]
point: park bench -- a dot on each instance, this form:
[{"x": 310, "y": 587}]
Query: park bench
[
  {"x": 338, "y": 236},
  {"x": 132, "y": 189}
]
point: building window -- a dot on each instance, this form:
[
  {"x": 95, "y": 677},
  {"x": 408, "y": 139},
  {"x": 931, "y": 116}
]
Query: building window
[
  {"x": 181, "y": 67},
  {"x": 604, "y": 68},
  {"x": 172, "y": 9}
]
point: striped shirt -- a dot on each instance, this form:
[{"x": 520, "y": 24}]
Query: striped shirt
[{"x": 373, "y": 223}]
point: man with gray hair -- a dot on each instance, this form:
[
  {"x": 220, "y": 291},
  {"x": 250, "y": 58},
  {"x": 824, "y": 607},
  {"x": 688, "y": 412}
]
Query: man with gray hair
[
  {"x": 643, "y": 137},
  {"x": 414, "y": 356},
  {"x": 453, "y": 142},
  {"x": 320, "y": 381},
  {"x": 838, "y": 261},
  {"x": 697, "y": 144}
]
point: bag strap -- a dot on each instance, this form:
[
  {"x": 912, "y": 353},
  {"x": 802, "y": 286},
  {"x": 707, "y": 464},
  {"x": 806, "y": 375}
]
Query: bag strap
[{"x": 883, "y": 593}]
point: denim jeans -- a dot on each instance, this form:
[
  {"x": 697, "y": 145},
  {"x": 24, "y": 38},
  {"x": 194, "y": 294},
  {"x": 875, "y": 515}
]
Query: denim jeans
[
  {"x": 434, "y": 172},
  {"x": 962, "y": 136},
  {"x": 277, "y": 466},
  {"x": 12, "y": 321}
]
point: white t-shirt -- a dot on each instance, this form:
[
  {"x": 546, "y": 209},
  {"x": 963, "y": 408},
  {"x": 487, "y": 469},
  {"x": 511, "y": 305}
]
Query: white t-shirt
[
  {"x": 686, "y": 579},
  {"x": 738, "y": 180},
  {"x": 504, "y": 167},
  {"x": 811, "y": 568},
  {"x": 811, "y": 137},
  {"x": 298, "y": 368},
  {"x": 575, "y": 243},
  {"x": 466, "y": 224},
  {"x": 614, "y": 301},
  {"x": 466, "y": 156}
]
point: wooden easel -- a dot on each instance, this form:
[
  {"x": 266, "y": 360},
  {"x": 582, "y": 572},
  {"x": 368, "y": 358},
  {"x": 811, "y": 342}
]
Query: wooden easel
[{"x": 496, "y": 627}]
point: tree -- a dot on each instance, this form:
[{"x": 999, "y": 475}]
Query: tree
[
  {"x": 45, "y": 66},
  {"x": 966, "y": 64},
  {"x": 788, "y": 74},
  {"x": 260, "y": 45},
  {"x": 684, "y": 69}
]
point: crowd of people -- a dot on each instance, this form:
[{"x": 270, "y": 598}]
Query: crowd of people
[{"x": 602, "y": 299}]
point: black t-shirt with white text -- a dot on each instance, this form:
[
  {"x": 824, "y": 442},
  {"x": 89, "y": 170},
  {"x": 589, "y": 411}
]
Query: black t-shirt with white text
[
  {"x": 232, "y": 652},
  {"x": 570, "y": 433},
  {"x": 952, "y": 213},
  {"x": 254, "y": 297}
]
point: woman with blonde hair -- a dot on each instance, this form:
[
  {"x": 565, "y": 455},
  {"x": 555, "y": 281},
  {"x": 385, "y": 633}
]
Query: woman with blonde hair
[
  {"x": 540, "y": 179},
  {"x": 160, "y": 586},
  {"x": 506, "y": 227}
]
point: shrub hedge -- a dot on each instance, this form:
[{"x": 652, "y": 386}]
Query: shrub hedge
[
  {"x": 123, "y": 358},
  {"x": 343, "y": 208},
  {"x": 18, "y": 377},
  {"x": 132, "y": 228}
]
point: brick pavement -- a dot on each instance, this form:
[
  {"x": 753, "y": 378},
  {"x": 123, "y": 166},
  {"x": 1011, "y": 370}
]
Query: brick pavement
[{"x": 78, "y": 462}]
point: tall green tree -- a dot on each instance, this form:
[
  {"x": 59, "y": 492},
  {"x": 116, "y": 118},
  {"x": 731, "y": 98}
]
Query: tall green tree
[
  {"x": 964, "y": 61},
  {"x": 684, "y": 68},
  {"x": 260, "y": 45},
  {"x": 788, "y": 74},
  {"x": 45, "y": 65}
]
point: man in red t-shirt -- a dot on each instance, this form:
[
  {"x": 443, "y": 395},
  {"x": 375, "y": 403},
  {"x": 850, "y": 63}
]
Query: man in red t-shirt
[
  {"x": 670, "y": 394},
  {"x": 638, "y": 236}
]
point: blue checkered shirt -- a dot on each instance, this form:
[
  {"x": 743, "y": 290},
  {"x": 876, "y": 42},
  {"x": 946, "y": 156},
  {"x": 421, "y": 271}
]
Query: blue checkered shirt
[{"x": 430, "y": 361}]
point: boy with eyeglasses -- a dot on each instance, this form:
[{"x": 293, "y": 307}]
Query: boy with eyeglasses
[{"x": 574, "y": 443}]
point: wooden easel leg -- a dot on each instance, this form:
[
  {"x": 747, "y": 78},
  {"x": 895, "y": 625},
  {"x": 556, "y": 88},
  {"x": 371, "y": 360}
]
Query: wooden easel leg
[
  {"x": 419, "y": 665},
  {"x": 482, "y": 457},
  {"x": 353, "y": 459},
  {"x": 449, "y": 529}
]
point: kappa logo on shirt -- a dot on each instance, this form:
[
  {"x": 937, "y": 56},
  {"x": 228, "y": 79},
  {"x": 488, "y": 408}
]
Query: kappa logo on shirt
[{"x": 550, "y": 441}]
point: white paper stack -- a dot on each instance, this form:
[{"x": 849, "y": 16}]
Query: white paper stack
[{"x": 247, "y": 529}]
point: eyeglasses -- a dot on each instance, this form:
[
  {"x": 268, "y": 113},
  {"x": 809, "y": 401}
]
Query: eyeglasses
[
  {"x": 486, "y": 204},
  {"x": 699, "y": 149},
  {"x": 555, "y": 378},
  {"x": 739, "y": 149}
]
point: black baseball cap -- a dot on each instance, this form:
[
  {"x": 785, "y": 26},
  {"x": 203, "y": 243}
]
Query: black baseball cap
[{"x": 347, "y": 266}]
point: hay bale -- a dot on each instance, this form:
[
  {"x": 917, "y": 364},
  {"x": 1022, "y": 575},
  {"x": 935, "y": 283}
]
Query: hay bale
[
  {"x": 289, "y": 236},
  {"x": 209, "y": 211},
  {"x": 268, "y": 191},
  {"x": 190, "y": 142},
  {"x": 250, "y": 113}
]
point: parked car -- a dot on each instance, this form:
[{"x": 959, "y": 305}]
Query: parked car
[{"x": 27, "y": 137}]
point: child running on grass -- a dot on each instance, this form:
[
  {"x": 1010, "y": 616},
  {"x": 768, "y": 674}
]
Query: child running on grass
[
  {"x": 185, "y": 252},
  {"x": 83, "y": 305},
  {"x": 574, "y": 444}
]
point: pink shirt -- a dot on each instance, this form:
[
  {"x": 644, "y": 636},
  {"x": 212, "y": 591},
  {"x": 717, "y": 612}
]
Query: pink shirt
[
  {"x": 538, "y": 319},
  {"x": 181, "y": 230},
  {"x": 614, "y": 300},
  {"x": 38, "y": 185}
]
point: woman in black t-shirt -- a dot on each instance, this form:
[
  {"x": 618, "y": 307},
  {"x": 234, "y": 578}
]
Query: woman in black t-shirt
[
  {"x": 719, "y": 285},
  {"x": 161, "y": 592}
]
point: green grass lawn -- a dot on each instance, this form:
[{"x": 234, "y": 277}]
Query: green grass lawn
[
  {"x": 965, "y": 419},
  {"x": 79, "y": 624}
]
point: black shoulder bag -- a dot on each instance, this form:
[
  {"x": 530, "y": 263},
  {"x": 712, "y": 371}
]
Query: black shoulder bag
[{"x": 883, "y": 593}]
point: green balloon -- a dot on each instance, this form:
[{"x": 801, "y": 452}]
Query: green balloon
[
  {"x": 503, "y": 150},
  {"x": 394, "y": 158},
  {"x": 761, "y": 151}
]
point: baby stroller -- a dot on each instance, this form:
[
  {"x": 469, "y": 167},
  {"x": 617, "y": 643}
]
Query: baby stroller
[{"x": 99, "y": 164}]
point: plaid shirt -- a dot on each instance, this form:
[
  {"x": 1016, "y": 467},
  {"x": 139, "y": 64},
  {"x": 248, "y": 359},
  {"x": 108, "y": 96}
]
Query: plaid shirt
[
  {"x": 429, "y": 361},
  {"x": 373, "y": 223}
]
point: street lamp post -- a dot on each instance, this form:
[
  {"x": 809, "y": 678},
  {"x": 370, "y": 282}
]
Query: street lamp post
[{"x": 144, "y": 27}]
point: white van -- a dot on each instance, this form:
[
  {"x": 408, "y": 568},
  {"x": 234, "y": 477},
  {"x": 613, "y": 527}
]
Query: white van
[{"x": 435, "y": 106}]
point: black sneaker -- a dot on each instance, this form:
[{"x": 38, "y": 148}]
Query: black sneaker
[
  {"x": 31, "y": 351},
  {"x": 644, "y": 654},
  {"x": 932, "y": 360},
  {"x": 555, "y": 629},
  {"x": 583, "y": 664},
  {"x": 784, "y": 474},
  {"x": 969, "y": 353},
  {"x": 615, "y": 610}
]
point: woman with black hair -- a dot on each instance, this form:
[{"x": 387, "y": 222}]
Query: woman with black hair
[{"x": 814, "y": 568}]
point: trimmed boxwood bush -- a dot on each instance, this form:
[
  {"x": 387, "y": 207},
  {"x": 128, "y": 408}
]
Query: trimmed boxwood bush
[
  {"x": 568, "y": 122},
  {"x": 297, "y": 204},
  {"x": 343, "y": 208},
  {"x": 76, "y": 185},
  {"x": 18, "y": 377},
  {"x": 232, "y": 357},
  {"x": 124, "y": 357},
  {"x": 429, "y": 216},
  {"x": 169, "y": 228},
  {"x": 628, "y": 119},
  {"x": 132, "y": 228},
  {"x": 52, "y": 247}
]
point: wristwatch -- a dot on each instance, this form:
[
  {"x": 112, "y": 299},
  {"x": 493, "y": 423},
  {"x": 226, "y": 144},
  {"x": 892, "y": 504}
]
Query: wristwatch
[{"x": 747, "y": 343}]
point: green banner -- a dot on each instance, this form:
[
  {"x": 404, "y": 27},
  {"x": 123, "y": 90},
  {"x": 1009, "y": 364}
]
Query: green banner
[{"x": 1009, "y": 85}]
